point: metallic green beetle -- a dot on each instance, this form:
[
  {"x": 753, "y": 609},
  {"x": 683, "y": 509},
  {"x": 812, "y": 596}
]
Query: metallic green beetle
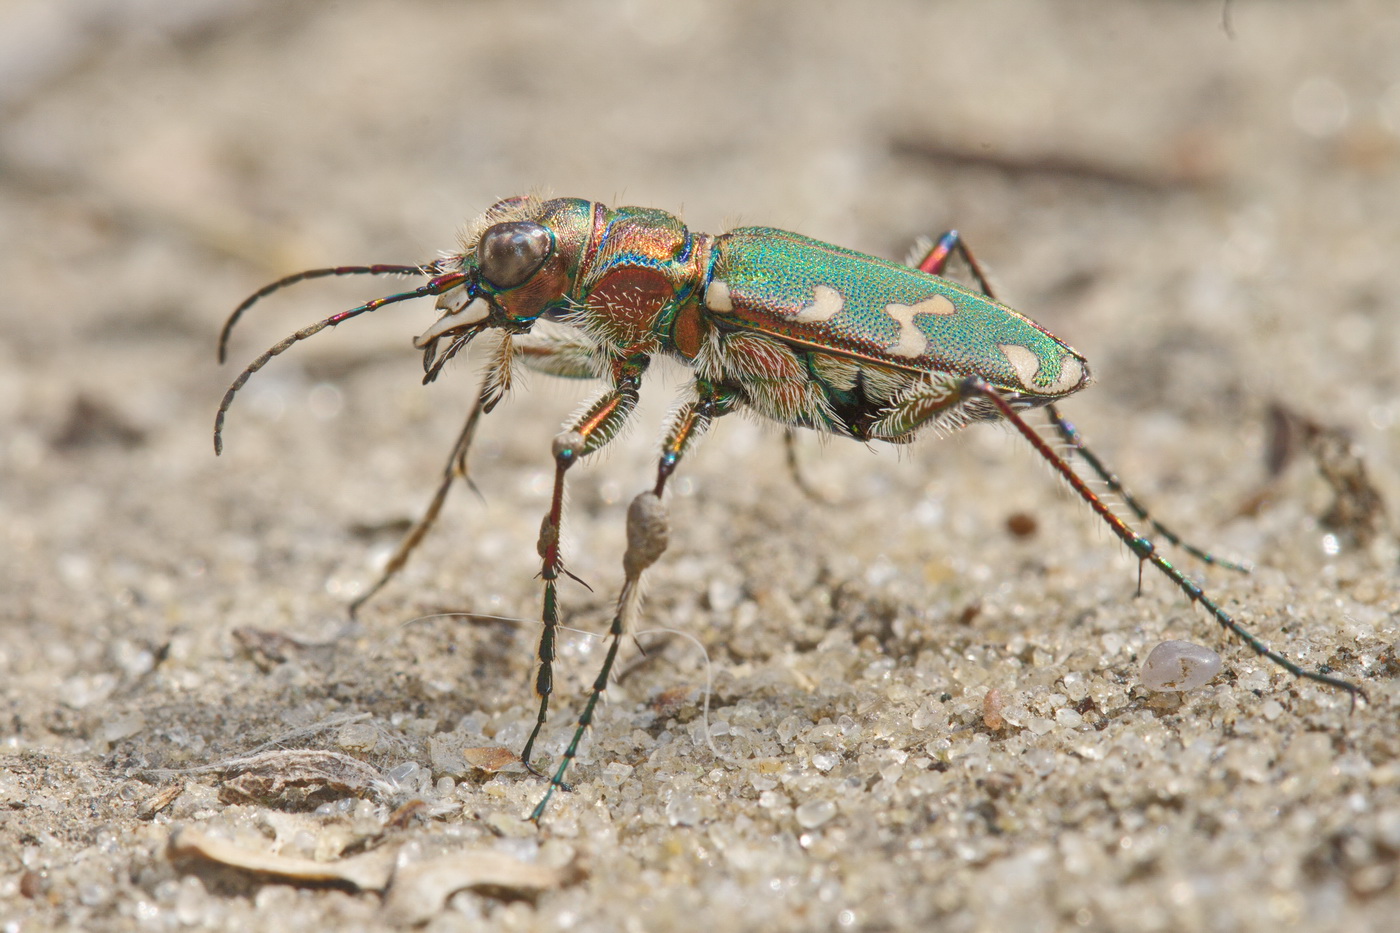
[{"x": 804, "y": 333}]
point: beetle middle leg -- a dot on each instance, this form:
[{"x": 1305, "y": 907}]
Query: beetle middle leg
[
  {"x": 599, "y": 423},
  {"x": 935, "y": 262},
  {"x": 647, "y": 536},
  {"x": 798, "y": 475}
]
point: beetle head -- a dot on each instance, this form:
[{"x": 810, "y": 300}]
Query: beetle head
[{"x": 516, "y": 265}]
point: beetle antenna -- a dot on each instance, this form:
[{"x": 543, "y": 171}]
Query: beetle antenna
[
  {"x": 431, "y": 268},
  {"x": 435, "y": 287}
]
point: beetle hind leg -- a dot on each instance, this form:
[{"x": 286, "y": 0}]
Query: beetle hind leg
[
  {"x": 1143, "y": 548},
  {"x": 1069, "y": 434},
  {"x": 935, "y": 260},
  {"x": 933, "y": 403}
]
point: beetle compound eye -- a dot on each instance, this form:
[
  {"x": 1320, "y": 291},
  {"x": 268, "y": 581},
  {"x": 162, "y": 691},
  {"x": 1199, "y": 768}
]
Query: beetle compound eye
[{"x": 508, "y": 254}]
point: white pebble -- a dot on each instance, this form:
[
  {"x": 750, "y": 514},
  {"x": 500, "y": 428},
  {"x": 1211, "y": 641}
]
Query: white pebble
[
  {"x": 814, "y": 813},
  {"x": 1178, "y": 666},
  {"x": 683, "y": 810},
  {"x": 358, "y": 737}
]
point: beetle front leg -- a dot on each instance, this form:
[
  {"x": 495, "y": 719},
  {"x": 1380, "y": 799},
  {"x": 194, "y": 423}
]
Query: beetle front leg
[
  {"x": 648, "y": 531},
  {"x": 598, "y": 425},
  {"x": 566, "y": 356},
  {"x": 456, "y": 467}
]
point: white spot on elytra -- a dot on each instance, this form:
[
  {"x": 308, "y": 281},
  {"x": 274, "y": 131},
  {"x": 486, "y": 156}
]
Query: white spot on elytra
[
  {"x": 826, "y": 304},
  {"x": 717, "y": 296},
  {"x": 1022, "y": 360},
  {"x": 1071, "y": 374},
  {"x": 912, "y": 341},
  {"x": 1027, "y": 365}
]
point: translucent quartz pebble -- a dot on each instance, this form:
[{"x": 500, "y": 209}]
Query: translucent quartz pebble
[
  {"x": 814, "y": 813},
  {"x": 1179, "y": 666}
]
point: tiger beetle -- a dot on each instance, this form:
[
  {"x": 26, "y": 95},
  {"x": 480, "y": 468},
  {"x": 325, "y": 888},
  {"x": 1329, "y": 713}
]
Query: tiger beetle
[{"x": 800, "y": 332}]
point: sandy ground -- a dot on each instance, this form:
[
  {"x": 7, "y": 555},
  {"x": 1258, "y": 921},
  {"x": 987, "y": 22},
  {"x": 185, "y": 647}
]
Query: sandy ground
[{"x": 1212, "y": 216}]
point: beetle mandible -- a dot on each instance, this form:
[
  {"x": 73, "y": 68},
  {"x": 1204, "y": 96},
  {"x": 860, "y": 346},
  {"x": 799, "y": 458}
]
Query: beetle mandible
[{"x": 800, "y": 332}]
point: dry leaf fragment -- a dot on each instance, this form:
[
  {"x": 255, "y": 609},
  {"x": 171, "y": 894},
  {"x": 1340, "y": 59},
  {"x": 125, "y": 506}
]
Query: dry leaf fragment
[
  {"x": 148, "y": 808},
  {"x": 420, "y": 890},
  {"x": 296, "y": 777},
  {"x": 369, "y": 872},
  {"x": 490, "y": 757},
  {"x": 450, "y": 756},
  {"x": 406, "y": 813}
]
